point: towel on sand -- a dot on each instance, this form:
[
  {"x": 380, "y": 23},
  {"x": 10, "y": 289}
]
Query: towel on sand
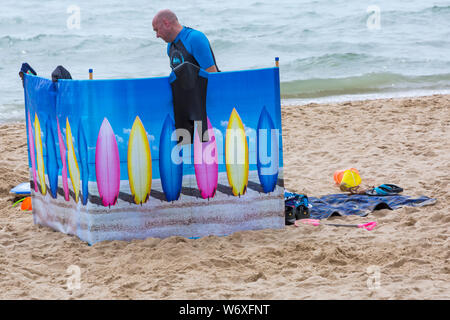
[{"x": 361, "y": 205}]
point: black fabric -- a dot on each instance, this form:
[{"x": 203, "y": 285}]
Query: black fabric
[
  {"x": 189, "y": 100},
  {"x": 26, "y": 68},
  {"x": 178, "y": 54},
  {"x": 60, "y": 73}
]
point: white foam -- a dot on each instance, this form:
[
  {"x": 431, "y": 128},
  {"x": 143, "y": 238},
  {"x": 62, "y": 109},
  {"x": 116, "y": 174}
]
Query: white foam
[{"x": 360, "y": 97}]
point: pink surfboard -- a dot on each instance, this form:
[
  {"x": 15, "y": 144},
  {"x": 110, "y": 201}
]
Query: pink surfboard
[
  {"x": 32, "y": 151},
  {"x": 206, "y": 163},
  {"x": 63, "y": 152},
  {"x": 107, "y": 165}
]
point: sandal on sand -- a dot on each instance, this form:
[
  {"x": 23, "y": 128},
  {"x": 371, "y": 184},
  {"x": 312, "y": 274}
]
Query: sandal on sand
[
  {"x": 384, "y": 190},
  {"x": 352, "y": 190}
]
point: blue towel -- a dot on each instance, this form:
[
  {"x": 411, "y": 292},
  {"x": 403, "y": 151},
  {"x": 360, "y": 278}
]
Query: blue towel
[{"x": 361, "y": 205}]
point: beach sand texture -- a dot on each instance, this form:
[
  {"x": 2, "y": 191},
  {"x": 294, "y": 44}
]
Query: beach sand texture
[{"x": 401, "y": 141}]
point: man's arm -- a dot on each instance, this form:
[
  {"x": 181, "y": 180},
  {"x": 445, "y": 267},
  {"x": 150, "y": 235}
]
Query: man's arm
[{"x": 201, "y": 50}]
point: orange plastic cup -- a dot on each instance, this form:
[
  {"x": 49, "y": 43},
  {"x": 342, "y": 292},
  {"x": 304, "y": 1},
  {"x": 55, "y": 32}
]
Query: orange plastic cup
[
  {"x": 26, "y": 204},
  {"x": 339, "y": 173}
]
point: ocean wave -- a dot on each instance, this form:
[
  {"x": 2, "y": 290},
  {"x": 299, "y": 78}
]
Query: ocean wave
[
  {"x": 76, "y": 43},
  {"x": 9, "y": 38},
  {"x": 6, "y": 21},
  {"x": 438, "y": 9},
  {"x": 12, "y": 113},
  {"x": 366, "y": 61},
  {"x": 367, "y": 83},
  {"x": 432, "y": 9},
  {"x": 67, "y": 37},
  {"x": 328, "y": 64},
  {"x": 332, "y": 58},
  {"x": 435, "y": 12}
]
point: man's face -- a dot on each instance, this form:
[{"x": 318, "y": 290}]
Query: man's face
[{"x": 161, "y": 27}]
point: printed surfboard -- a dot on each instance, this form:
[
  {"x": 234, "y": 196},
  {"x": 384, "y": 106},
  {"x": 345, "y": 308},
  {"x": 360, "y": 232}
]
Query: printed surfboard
[
  {"x": 236, "y": 154},
  {"x": 206, "y": 163},
  {"x": 84, "y": 163},
  {"x": 171, "y": 172},
  {"x": 39, "y": 155},
  {"x": 32, "y": 153},
  {"x": 52, "y": 160},
  {"x": 107, "y": 165},
  {"x": 267, "y": 152},
  {"x": 74, "y": 170},
  {"x": 63, "y": 155},
  {"x": 139, "y": 163}
]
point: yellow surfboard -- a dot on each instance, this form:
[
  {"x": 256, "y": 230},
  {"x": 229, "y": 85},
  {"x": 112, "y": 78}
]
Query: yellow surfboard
[
  {"x": 39, "y": 154},
  {"x": 236, "y": 155},
  {"x": 74, "y": 171},
  {"x": 139, "y": 163}
]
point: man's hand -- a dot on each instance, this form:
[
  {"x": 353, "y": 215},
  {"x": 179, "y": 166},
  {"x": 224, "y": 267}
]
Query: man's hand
[{"x": 211, "y": 69}]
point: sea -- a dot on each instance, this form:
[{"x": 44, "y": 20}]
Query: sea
[{"x": 329, "y": 50}]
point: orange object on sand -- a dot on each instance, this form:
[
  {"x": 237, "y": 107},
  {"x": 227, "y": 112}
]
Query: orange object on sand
[
  {"x": 26, "y": 204},
  {"x": 339, "y": 173}
]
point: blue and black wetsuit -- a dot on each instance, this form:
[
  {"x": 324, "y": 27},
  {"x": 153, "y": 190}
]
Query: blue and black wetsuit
[
  {"x": 190, "y": 54},
  {"x": 191, "y": 46}
]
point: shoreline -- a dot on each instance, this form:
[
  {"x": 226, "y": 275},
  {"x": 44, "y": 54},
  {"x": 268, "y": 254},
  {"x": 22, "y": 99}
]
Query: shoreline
[
  {"x": 362, "y": 97},
  {"x": 338, "y": 99}
]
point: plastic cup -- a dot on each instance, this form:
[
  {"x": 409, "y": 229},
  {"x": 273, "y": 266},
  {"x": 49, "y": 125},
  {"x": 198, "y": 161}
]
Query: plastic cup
[
  {"x": 339, "y": 173},
  {"x": 26, "y": 204}
]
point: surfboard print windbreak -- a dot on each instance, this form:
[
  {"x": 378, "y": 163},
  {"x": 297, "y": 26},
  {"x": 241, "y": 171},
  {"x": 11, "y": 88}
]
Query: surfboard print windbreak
[
  {"x": 39, "y": 155},
  {"x": 63, "y": 154},
  {"x": 236, "y": 154},
  {"x": 139, "y": 163},
  {"x": 171, "y": 170},
  {"x": 107, "y": 165},
  {"x": 206, "y": 163},
  {"x": 127, "y": 170},
  {"x": 267, "y": 152},
  {"x": 32, "y": 153},
  {"x": 74, "y": 170}
]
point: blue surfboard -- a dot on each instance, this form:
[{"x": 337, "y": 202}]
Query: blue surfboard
[
  {"x": 52, "y": 159},
  {"x": 267, "y": 152},
  {"x": 171, "y": 173},
  {"x": 83, "y": 158}
]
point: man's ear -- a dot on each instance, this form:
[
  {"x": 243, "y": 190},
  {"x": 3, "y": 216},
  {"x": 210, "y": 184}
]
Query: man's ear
[{"x": 166, "y": 23}]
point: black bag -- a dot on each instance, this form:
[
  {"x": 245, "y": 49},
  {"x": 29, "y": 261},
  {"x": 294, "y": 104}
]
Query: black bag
[
  {"x": 26, "y": 69},
  {"x": 296, "y": 207},
  {"x": 60, "y": 73}
]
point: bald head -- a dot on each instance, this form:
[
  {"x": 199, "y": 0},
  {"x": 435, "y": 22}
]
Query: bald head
[
  {"x": 166, "y": 25},
  {"x": 167, "y": 15}
]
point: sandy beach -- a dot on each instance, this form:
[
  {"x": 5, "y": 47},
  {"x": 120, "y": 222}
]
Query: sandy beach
[{"x": 402, "y": 141}]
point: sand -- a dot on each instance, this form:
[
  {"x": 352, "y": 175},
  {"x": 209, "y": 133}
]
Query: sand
[{"x": 401, "y": 141}]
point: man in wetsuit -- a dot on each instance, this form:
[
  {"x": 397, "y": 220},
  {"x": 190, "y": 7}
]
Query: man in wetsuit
[{"x": 183, "y": 44}]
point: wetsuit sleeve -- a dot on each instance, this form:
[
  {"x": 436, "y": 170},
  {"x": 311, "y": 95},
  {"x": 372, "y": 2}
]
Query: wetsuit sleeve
[{"x": 201, "y": 50}]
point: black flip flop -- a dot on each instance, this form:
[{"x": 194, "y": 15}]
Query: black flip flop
[{"x": 385, "y": 190}]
